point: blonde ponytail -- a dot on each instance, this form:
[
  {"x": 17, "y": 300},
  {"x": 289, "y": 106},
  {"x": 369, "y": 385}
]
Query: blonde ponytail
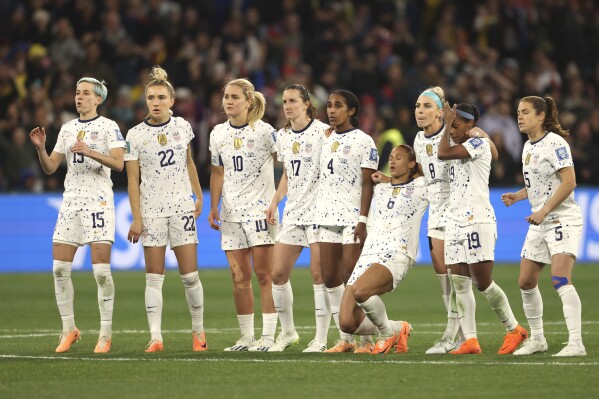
[{"x": 257, "y": 100}]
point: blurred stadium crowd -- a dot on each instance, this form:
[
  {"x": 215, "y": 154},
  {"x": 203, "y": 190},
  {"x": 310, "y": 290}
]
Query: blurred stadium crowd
[{"x": 486, "y": 52}]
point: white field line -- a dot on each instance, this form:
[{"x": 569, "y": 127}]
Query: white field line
[{"x": 201, "y": 359}]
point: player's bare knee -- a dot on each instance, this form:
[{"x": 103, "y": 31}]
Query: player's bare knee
[
  {"x": 526, "y": 283},
  {"x": 346, "y": 323},
  {"x": 361, "y": 293}
]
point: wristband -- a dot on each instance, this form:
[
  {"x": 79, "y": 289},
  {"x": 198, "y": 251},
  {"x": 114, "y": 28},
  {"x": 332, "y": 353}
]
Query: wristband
[{"x": 363, "y": 219}]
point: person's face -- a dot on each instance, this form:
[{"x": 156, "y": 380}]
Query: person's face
[
  {"x": 528, "y": 119},
  {"x": 234, "y": 102},
  {"x": 159, "y": 102},
  {"x": 86, "y": 100},
  {"x": 293, "y": 105},
  {"x": 426, "y": 111},
  {"x": 459, "y": 129},
  {"x": 399, "y": 163},
  {"x": 337, "y": 110}
]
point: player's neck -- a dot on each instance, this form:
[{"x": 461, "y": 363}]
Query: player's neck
[
  {"x": 85, "y": 116},
  {"x": 238, "y": 120},
  {"x": 159, "y": 120},
  {"x": 400, "y": 179},
  {"x": 300, "y": 123},
  {"x": 432, "y": 128},
  {"x": 536, "y": 135}
]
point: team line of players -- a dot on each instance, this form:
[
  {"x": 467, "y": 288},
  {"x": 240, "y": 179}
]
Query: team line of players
[{"x": 333, "y": 195}]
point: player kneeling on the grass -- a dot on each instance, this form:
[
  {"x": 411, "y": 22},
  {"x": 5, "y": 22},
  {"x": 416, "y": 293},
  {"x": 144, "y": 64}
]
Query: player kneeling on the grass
[
  {"x": 92, "y": 146},
  {"x": 471, "y": 230},
  {"x": 158, "y": 152},
  {"x": 388, "y": 253}
]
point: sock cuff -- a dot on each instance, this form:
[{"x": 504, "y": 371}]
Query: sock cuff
[
  {"x": 269, "y": 316},
  {"x": 461, "y": 283},
  {"x": 245, "y": 317},
  {"x": 490, "y": 288},
  {"x": 190, "y": 279},
  {"x": 281, "y": 287},
  {"x": 565, "y": 289},
  {"x": 61, "y": 265},
  {"x": 154, "y": 280},
  {"x": 368, "y": 302},
  {"x": 319, "y": 287},
  {"x": 531, "y": 291},
  {"x": 336, "y": 289},
  {"x": 103, "y": 268}
]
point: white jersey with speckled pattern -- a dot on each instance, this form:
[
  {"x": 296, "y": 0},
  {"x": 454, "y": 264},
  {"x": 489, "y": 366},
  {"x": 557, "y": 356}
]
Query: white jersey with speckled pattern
[
  {"x": 246, "y": 154},
  {"x": 395, "y": 217},
  {"x": 541, "y": 162},
  {"x": 87, "y": 185},
  {"x": 469, "y": 200},
  {"x": 342, "y": 158},
  {"x": 299, "y": 151},
  {"x": 161, "y": 150},
  {"x": 436, "y": 174}
]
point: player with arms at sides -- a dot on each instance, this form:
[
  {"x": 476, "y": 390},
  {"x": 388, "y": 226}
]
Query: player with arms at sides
[
  {"x": 555, "y": 224},
  {"x": 242, "y": 173},
  {"x": 388, "y": 254},
  {"x": 298, "y": 147},
  {"x": 162, "y": 205},
  {"x": 471, "y": 228},
  {"x": 347, "y": 161},
  {"x": 92, "y": 145}
]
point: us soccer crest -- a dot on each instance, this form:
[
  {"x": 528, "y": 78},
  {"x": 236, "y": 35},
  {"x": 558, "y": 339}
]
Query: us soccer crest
[
  {"x": 429, "y": 150},
  {"x": 80, "y": 135},
  {"x": 162, "y": 140},
  {"x": 250, "y": 144},
  {"x": 346, "y": 149},
  {"x": 94, "y": 135},
  {"x": 295, "y": 148},
  {"x": 335, "y": 146},
  {"x": 237, "y": 143},
  {"x": 177, "y": 136},
  {"x": 527, "y": 159},
  {"x": 396, "y": 191}
]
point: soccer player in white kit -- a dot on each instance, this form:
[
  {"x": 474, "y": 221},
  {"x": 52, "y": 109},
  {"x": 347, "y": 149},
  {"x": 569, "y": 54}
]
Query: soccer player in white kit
[
  {"x": 242, "y": 173},
  {"x": 298, "y": 147},
  {"x": 555, "y": 224},
  {"x": 162, "y": 205},
  {"x": 471, "y": 229},
  {"x": 347, "y": 162},
  {"x": 388, "y": 253},
  {"x": 92, "y": 145}
]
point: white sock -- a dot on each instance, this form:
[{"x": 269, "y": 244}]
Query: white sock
[
  {"x": 532, "y": 302},
  {"x": 453, "y": 326},
  {"x": 322, "y": 312},
  {"x": 572, "y": 312},
  {"x": 374, "y": 309},
  {"x": 501, "y": 306},
  {"x": 282, "y": 296},
  {"x": 65, "y": 295},
  {"x": 466, "y": 304},
  {"x": 269, "y": 325},
  {"x": 335, "y": 296},
  {"x": 246, "y": 324},
  {"x": 365, "y": 330},
  {"x": 154, "y": 304},
  {"x": 105, "y": 297},
  {"x": 194, "y": 293}
]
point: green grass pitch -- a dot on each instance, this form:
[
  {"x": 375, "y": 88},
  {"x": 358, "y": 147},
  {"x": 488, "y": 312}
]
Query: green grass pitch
[{"x": 30, "y": 324}]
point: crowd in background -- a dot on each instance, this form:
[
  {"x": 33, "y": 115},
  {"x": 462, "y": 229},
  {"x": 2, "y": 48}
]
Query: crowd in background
[{"x": 487, "y": 52}]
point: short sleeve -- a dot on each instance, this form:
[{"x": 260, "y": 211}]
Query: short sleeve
[
  {"x": 215, "y": 158},
  {"x": 114, "y": 137},
  {"x": 60, "y": 142},
  {"x": 273, "y": 140},
  {"x": 416, "y": 149},
  {"x": 476, "y": 147},
  {"x": 188, "y": 130},
  {"x": 370, "y": 155},
  {"x": 560, "y": 156},
  {"x": 277, "y": 146},
  {"x": 131, "y": 150}
]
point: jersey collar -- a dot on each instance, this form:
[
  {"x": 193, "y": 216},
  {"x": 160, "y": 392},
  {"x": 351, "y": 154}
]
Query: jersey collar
[
  {"x": 304, "y": 129},
  {"x": 88, "y": 120},
  {"x": 402, "y": 184},
  {"x": 535, "y": 142},
  {"x": 434, "y": 134},
  {"x": 161, "y": 124},
  {"x": 346, "y": 131},
  {"x": 237, "y": 127}
]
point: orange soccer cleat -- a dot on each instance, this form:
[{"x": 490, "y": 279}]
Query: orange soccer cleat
[
  {"x": 154, "y": 346},
  {"x": 384, "y": 344},
  {"x": 512, "y": 340},
  {"x": 364, "y": 347},
  {"x": 67, "y": 339},
  {"x": 103, "y": 345},
  {"x": 402, "y": 339},
  {"x": 469, "y": 347},
  {"x": 199, "y": 342},
  {"x": 342, "y": 346}
]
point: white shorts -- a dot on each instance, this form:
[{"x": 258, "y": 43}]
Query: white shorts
[
  {"x": 337, "y": 234},
  {"x": 303, "y": 235},
  {"x": 177, "y": 230},
  {"x": 542, "y": 243},
  {"x": 397, "y": 262},
  {"x": 438, "y": 233},
  {"x": 470, "y": 244},
  {"x": 84, "y": 227},
  {"x": 240, "y": 235}
]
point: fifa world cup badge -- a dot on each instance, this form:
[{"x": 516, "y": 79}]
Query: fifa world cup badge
[
  {"x": 335, "y": 146},
  {"x": 295, "y": 148},
  {"x": 396, "y": 191},
  {"x": 527, "y": 159},
  {"x": 429, "y": 150},
  {"x": 80, "y": 135},
  {"x": 162, "y": 140},
  {"x": 237, "y": 143}
]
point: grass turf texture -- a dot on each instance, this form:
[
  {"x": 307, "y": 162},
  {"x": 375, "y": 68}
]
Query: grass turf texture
[{"x": 30, "y": 325}]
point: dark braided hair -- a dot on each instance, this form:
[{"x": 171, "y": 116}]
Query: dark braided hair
[{"x": 352, "y": 102}]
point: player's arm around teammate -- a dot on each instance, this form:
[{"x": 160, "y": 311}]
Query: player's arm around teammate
[
  {"x": 162, "y": 206},
  {"x": 92, "y": 146},
  {"x": 555, "y": 223},
  {"x": 243, "y": 176}
]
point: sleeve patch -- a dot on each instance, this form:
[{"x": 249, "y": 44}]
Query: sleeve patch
[
  {"x": 562, "y": 153},
  {"x": 274, "y": 136},
  {"x": 476, "y": 142},
  {"x": 119, "y": 135},
  {"x": 127, "y": 147},
  {"x": 374, "y": 155}
]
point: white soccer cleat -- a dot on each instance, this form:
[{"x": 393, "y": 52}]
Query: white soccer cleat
[
  {"x": 243, "y": 344},
  {"x": 316, "y": 346},
  {"x": 532, "y": 346},
  {"x": 284, "y": 340},
  {"x": 572, "y": 349},
  {"x": 262, "y": 345},
  {"x": 441, "y": 347}
]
